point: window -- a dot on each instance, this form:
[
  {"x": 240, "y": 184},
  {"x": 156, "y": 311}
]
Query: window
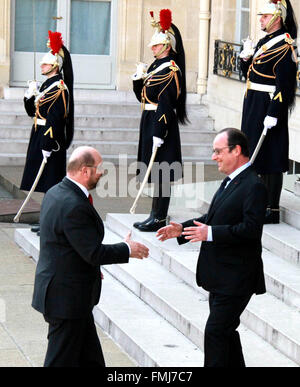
[{"x": 242, "y": 29}]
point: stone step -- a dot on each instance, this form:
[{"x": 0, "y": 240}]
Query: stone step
[
  {"x": 99, "y": 96},
  {"x": 103, "y": 121},
  {"x": 92, "y": 107},
  {"x": 282, "y": 240},
  {"x": 130, "y": 320},
  {"x": 282, "y": 276},
  {"x": 107, "y": 147},
  {"x": 290, "y": 346},
  {"x": 290, "y": 208},
  {"x": 107, "y": 134},
  {"x": 188, "y": 311},
  {"x": 12, "y": 159}
]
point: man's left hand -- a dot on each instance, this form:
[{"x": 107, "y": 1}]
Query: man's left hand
[{"x": 197, "y": 233}]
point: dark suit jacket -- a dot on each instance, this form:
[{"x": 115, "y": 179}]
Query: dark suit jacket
[
  {"x": 232, "y": 263},
  {"x": 68, "y": 281}
]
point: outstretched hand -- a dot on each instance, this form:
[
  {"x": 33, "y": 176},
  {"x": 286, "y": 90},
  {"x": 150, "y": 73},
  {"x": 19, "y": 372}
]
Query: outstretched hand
[
  {"x": 138, "y": 250},
  {"x": 173, "y": 230},
  {"x": 196, "y": 233}
]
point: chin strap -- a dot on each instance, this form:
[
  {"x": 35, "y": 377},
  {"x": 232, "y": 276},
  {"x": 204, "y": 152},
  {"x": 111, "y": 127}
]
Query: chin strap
[
  {"x": 162, "y": 50},
  {"x": 277, "y": 14}
]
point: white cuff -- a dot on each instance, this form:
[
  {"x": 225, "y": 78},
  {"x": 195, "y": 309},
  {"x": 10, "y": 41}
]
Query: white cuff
[
  {"x": 209, "y": 234},
  {"x": 128, "y": 248}
]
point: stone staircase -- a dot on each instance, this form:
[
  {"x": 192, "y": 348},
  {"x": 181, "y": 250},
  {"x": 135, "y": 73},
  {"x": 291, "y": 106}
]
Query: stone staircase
[
  {"x": 109, "y": 121},
  {"x": 155, "y": 311}
]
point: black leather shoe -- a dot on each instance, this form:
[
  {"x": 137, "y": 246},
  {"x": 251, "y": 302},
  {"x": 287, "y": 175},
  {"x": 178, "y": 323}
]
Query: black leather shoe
[
  {"x": 152, "y": 225},
  {"x": 137, "y": 224},
  {"x": 35, "y": 228},
  {"x": 272, "y": 216}
]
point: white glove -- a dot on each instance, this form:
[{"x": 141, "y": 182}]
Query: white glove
[
  {"x": 33, "y": 89},
  {"x": 141, "y": 71},
  {"x": 248, "y": 48},
  {"x": 157, "y": 142},
  {"x": 270, "y": 122},
  {"x": 46, "y": 154}
]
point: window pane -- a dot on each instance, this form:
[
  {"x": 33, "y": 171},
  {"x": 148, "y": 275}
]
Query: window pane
[
  {"x": 43, "y": 10},
  {"x": 244, "y": 25},
  {"x": 245, "y": 3},
  {"x": 90, "y": 27}
]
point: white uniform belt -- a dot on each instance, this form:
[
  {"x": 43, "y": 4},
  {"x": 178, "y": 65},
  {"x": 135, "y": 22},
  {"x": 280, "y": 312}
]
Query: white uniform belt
[
  {"x": 150, "y": 106},
  {"x": 41, "y": 122},
  {"x": 261, "y": 87}
]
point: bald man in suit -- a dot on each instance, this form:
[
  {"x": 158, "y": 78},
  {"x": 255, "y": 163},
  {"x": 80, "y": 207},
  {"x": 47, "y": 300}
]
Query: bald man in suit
[{"x": 68, "y": 277}]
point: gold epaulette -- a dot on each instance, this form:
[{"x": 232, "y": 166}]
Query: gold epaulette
[{"x": 173, "y": 66}]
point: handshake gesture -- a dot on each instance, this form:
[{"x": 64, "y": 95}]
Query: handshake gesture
[
  {"x": 138, "y": 250},
  {"x": 193, "y": 234}
]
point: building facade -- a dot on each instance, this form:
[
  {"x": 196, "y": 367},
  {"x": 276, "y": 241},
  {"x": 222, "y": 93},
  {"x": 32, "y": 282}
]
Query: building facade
[{"x": 107, "y": 38}]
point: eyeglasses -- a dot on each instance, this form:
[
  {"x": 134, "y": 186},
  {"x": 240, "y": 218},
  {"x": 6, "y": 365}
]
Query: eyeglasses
[
  {"x": 99, "y": 168},
  {"x": 217, "y": 151}
]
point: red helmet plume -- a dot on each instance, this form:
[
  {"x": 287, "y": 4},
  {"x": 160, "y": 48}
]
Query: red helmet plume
[
  {"x": 165, "y": 19},
  {"x": 55, "y": 41}
]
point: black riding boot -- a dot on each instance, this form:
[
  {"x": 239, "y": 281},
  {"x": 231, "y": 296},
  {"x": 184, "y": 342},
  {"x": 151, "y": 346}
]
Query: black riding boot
[
  {"x": 273, "y": 183},
  {"x": 158, "y": 215},
  {"x": 150, "y": 217}
]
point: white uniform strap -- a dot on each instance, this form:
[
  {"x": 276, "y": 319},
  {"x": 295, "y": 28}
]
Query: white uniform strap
[
  {"x": 270, "y": 44},
  {"x": 159, "y": 68},
  {"x": 54, "y": 84}
]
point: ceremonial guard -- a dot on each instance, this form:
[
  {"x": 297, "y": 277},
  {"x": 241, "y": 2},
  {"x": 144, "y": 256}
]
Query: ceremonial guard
[
  {"x": 51, "y": 107},
  {"x": 270, "y": 70},
  {"x": 162, "y": 92}
]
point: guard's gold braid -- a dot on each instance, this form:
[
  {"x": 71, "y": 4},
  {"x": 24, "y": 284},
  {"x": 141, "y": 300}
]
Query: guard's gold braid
[
  {"x": 65, "y": 104},
  {"x": 279, "y": 61},
  {"x": 53, "y": 96},
  {"x": 177, "y": 84},
  {"x": 268, "y": 57},
  {"x": 156, "y": 80},
  {"x": 171, "y": 78},
  {"x": 283, "y": 50},
  {"x": 54, "y": 99}
]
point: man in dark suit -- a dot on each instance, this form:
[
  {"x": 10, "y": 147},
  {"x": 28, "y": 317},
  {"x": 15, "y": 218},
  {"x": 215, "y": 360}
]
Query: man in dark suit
[
  {"x": 68, "y": 277},
  {"x": 229, "y": 267}
]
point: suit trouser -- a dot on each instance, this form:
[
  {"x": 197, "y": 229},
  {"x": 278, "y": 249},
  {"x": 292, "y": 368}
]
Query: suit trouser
[
  {"x": 222, "y": 345},
  {"x": 73, "y": 343}
]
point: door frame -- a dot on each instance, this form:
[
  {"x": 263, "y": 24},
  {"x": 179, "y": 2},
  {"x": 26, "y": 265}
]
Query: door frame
[{"x": 64, "y": 8}]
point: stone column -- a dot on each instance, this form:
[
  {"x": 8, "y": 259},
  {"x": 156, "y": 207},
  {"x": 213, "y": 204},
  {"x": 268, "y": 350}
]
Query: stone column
[{"x": 204, "y": 24}]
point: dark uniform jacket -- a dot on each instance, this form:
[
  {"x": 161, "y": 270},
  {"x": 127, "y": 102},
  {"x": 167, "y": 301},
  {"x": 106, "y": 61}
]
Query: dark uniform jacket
[
  {"x": 231, "y": 264},
  {"x": 276, "y": 67},
  {"x": 52, "y": 109},
  {"x": 68, "y": 279},
  {"x": 162, "y": 90}
]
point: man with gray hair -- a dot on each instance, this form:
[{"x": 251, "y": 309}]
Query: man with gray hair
[{"x": 68, "y": 277}]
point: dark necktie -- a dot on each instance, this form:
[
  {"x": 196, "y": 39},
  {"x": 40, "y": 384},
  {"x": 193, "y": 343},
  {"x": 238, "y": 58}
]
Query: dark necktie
[
  {"x": 90, "y": 197},
  {"x": 222, "y": 187}
]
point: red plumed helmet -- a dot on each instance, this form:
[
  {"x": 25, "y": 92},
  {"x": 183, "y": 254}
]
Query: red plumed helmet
[
  {"x": 55, "y": 41},
  {"x": 165, "y": 19}
]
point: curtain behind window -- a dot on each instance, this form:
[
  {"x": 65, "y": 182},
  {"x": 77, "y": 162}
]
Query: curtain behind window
[
  {"x": 24, "y": 30},
  {"x": 90, "y": 27}
]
